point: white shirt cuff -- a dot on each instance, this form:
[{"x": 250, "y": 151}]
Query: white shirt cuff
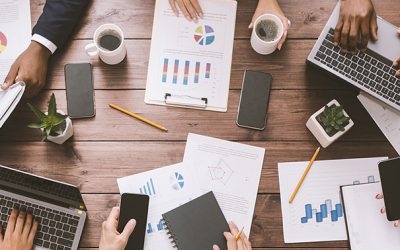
[{"x": 45, "y": 42}]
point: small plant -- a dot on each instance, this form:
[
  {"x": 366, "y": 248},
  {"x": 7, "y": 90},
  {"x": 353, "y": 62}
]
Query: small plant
[
  {"x": 51, "y": 123},
  {"x": 333, "y": 119}
]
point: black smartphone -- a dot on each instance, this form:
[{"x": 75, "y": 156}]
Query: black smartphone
[
  {"x": 253, "y": 106},
  {"x": 134, "y": 206},
  {"x": 80, "y": 90},
  {"x": 389, "y": 171}
]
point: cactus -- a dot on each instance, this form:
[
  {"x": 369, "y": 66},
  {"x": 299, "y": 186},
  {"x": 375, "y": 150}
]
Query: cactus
[{"x": 333, "y": 119}]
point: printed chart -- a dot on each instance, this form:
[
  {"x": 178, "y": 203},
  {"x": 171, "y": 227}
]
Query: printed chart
[
  {"x": 177, "y": 181},
  {"x": 3, "y": 42},
  {"x": 148, "y": 188},
  {"x": 189, "y": 74},
  {"x": 204, "y": 35}
]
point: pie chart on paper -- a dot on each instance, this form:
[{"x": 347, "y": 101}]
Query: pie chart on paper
[
  {"x": 3, "y": 42},
  {"x": 177, "y": 182},
  {"x": 204, "y": 35}
]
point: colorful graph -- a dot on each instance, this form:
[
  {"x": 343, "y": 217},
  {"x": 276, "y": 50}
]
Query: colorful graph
[
  {"x": 3, "y": 42},
  {"x": 165, "y": 70},
  {"x": 204, "y": 35},
  {"x": 326, "y": 211},
  {"x": 190, "y": 76},
  {"x": 148, "y": 188},
  {"x": 177, "y": 181},
  {"x": 208, "y": 70},
  {"x": 186, "y": 74},
  {"x": 176, "y": 68},
  {"x": 197, "y": 72}
]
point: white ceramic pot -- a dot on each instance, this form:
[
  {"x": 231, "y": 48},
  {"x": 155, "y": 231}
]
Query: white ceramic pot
[
  {"x": 318, "y": 131},
  {"x": 67, "y": 133}
]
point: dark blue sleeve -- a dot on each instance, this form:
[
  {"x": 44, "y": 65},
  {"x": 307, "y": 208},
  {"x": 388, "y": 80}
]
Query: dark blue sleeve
[{"x": 59, "y": 19}]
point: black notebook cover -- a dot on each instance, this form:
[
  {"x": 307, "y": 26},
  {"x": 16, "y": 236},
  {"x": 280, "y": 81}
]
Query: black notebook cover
[{"x": 198, "y": 224}]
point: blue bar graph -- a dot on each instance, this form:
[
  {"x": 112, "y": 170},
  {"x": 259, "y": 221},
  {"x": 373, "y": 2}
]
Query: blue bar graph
[
  {"x": 326, "y": 211},
  {"x": 319, "y": 217},
  {"x": 308, "y": 211},
  {"x": 339, "y": 210},
  {"x": 303, "y": 220},
  {"x": 334, "y": 215},
  {"x": 160, "y": 225},
  {"x": 148, "y": 188},
  {"x": 149, "y": 228}
]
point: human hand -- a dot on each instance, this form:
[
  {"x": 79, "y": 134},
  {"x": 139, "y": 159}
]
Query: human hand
[
  {"x": 383, "y": 210},
  {"x": 241, "y": 244},
  {"x": 31, "y": 68},
  {"x": 111, "y": 239},
  {"x": 396, "y": 64},
  {"x": 190, "y": 8},
  {"x": 20, "y": 232},
  {"x": 272, "y": 7},
  {"x": 357, "y": 20}
]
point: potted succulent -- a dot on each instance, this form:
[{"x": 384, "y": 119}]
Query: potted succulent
[
  {"x": 329, "y": 123},
  {"x": 55, "y": 125}
]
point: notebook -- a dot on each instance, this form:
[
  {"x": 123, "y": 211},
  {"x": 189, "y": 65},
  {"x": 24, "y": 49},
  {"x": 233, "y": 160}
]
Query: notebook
[
  {"x": 198, "y": 224},
  {"x": 9, "y": 99},
  {"x": 367, "y": 228}
]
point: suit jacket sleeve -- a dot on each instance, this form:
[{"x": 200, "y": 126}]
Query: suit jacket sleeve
[{"x": 59, "y": 19}]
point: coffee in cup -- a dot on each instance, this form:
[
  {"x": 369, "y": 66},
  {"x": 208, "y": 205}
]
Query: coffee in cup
[{"x": 267, "y": 32}]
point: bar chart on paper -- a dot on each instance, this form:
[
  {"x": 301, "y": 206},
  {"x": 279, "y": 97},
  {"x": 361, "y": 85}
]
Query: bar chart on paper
[
  {"x": 185, "y": 72},
  {"x": 316, "y": 213},
  {"x": 148, "y": 188}
]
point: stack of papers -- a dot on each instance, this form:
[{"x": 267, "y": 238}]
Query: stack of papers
[
  {"x": 9, "y": 100},
  {"x": 231, "y": 170}
]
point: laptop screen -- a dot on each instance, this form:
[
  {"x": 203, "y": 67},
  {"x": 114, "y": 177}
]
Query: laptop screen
[{"x": 40, "y": 188}]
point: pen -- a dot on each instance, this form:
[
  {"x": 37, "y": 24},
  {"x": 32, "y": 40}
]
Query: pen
[{"x": 239, "y": 234}]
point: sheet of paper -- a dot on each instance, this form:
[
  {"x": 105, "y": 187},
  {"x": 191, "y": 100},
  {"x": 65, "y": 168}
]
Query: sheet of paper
[
  {"x": 192, "y": 60},
  {"x": 316, "y": 213},
  {"x": 368, "y": 229},
  {"x": 168, "y": 188},
  {"x": 387, "y": 119},
  {"x": 15, "y": 32},
  {"x": 231, "y": 170}
]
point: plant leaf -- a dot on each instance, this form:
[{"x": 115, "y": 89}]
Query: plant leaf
[
  {"x": 36, "y": 125},
  {"x": 39, "y": 114},
  {"x": 58, "y": 130},
  {"x": 57, "y": 119},
  {"x": 52, "y": 105}
]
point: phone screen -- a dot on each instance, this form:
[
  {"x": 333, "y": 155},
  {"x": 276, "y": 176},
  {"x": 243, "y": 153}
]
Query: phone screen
[
  {"x": 80, "y": 93},
  {"x": 134, "y": 206},
  {"x": 390, "y": 178},
  {"x": 252, "y": 111}
]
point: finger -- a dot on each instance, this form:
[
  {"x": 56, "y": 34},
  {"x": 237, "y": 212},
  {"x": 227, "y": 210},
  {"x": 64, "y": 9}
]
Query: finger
[
  {"x": 364, "y": 34},
  {"x": 184, "y": 10},
  {"x": 353, "y": 35},
  {"x": 197, "y": 7},
  {"x": 129, "y": 227},
  {"x": 10, "y": 78},
  {"x": 32, "y": 233},
  {"x": 234, "y": 229},
  {"x": 230, "y": 241},
  {"x": 379, "y": 196},
  {"x": 396, "y": 223},
  {"x": 282, "y": 41},
  {"x": 338, "y": 31},
  {"x": 112, "y": 219},
  {"x": 344, "y": 36},
  {"x": 397, "y": 73},
  {"x": 215, "y": 247},
  {"x": 11, "y": 222},
  {"x": 20, "y": 222},
  {"x": 373, "y": 27},
  {"x": 172, "y": 3},
  {"x": 27, "y": 226},
  {"x": 191, "y": 10},
  {"x": 257, "y": 13},
  {"x": 383, "y": 210},
  {"x": 246, "y": 241},
  {"x": 396, "y": 63},
  {"x": 1, "y": 234}
]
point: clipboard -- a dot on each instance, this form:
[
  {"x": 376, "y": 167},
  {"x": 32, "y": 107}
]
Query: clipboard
[{"x": 9, "y": 99}]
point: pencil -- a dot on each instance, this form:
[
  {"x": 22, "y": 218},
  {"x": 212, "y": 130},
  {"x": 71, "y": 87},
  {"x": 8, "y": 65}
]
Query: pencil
[
  {"x": 304, "y": 175},
  {"x": 239, "y": 234},
  {"x": 140, "y": 118}
]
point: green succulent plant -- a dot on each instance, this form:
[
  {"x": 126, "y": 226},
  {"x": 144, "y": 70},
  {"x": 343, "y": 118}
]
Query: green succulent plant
[
  {"x": 50, "y": 123},
  {"x": 333, "y": 119}
]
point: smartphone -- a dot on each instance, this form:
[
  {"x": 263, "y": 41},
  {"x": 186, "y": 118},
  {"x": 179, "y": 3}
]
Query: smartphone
[
  {"x": 80, "y": 90},
  {"x": 389, "y": 171},
  {"x": 254, "y": 98},
  {"x": 134, "y": 206}
]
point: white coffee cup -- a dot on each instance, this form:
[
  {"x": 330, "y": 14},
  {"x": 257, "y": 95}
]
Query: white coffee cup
[
  {"x": 110, "y": 57},
  {"x": 266, "y": 47}
]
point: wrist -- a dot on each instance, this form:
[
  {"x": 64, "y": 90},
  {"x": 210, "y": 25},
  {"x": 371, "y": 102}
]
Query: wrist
[{"x": 39, "y": 49}]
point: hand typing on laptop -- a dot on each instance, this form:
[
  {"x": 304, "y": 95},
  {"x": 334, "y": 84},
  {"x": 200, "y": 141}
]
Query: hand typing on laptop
[
  {"x": 357, "y": 19},
  {"x": 111, "y": 239},
  {"x": 234, "y": 243},
  {"x": 20, "y": 232}
]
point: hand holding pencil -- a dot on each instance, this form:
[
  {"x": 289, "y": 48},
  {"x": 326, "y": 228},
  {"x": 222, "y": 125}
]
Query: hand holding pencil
[{"x": 236, "y": 240}]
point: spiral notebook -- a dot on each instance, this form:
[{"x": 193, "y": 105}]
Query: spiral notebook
[{"x": 198, "y": 224}]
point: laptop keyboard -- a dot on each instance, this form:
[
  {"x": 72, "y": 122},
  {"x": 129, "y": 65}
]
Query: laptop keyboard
[
  {"x": 368, "y": 69},
  {"x": 56, "y": 229}
]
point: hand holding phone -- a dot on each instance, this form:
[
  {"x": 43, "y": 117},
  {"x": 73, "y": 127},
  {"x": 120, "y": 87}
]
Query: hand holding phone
[{"x": 389, "y": 171}]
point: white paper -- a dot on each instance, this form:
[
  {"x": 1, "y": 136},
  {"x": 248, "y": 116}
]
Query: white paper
[
  {"x": 231, "y": 170},
  {"x": 321, "y": 186},
  {"x": 387, "y": 119},
  {"x": 368, "y": 229},
  {"x": 9, "y": 99},
  {"x": 168, "y": 188},
  {"x": 15, "y": 32},
  {"x": 193, "y": 47}
]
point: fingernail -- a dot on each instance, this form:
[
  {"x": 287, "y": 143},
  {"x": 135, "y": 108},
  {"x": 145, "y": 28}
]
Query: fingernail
[
  {"x": 382, "y": 210},
  {"x": 397, "y": 73},
  {"x": 201, "y": 14},
  {"x": 133, "y": 222},
  {"x": 335, "y": 44},
  {"x": 377, "y": 196},
  {"x": 279, "y": 47},
  {"x": 396, "y": 223},
  {"x": 250, "y": 25}
]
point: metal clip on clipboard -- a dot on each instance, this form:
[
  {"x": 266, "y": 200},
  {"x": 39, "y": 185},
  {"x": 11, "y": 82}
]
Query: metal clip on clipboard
[{"x": 185, "y": 100}]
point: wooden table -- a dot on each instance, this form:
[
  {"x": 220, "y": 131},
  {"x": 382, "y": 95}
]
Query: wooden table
[{"x": 113, "y": 145}]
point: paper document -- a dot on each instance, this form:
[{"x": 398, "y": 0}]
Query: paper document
[
  {"x": 316, "y": 213},
  {"x": 168, "y": 188},
  {"x": 15, "y": 32},
  {"x": 387, "y": 119},
  {"x": 190, "y": 63},
  {"x": 231, "y": 170},
  {"x": 9, "y": 99},
  {"x": 368, "y": 229}
]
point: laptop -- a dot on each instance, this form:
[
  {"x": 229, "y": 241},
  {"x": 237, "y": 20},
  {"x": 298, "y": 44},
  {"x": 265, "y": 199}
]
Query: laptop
[
  {"x": 370, "y": 71},
  {"x": 57, "y": 206}
]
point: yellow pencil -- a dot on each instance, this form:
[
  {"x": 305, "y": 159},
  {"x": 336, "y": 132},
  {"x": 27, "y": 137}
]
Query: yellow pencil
[
  {"x": 304, "y": 175},
  {"x": 138, "y": 117},
  {"x": 239, "y": 234}
]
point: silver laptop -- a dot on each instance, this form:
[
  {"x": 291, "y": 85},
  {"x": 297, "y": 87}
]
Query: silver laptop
[
  {"x": 370, "y": 71},
  {"x": 58, "y": 207}
]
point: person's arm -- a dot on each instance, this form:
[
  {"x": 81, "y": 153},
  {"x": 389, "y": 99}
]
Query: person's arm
[
  {"x": 357, "y": 19},
  {"x": 241, "y": 244},
  {"x": 191, "y": 9},
  {"x": 52, "y": 30},
  {"x": 272, "y": 7}
]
